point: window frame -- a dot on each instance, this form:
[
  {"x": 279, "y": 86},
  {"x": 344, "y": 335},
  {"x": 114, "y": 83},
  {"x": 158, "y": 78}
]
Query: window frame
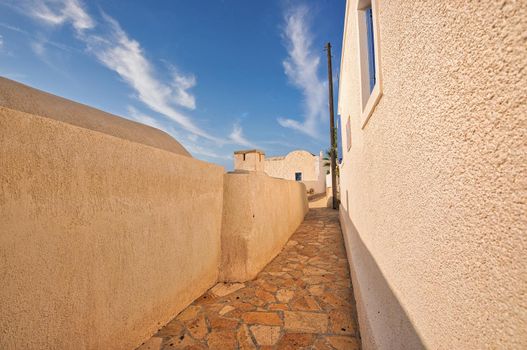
[
  {"x": 369, "y": 97},
  {"x": 348, "y": 133}
]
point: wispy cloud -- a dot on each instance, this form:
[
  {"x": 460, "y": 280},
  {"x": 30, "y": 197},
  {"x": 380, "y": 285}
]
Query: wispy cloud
[
  {"x": 38, "y": 48},
  {"x": 1, "y": 42},
  {"x": 181, "y": 84},
  {"x": 205, "y": 151},
  {"x": 189, "y": 143},
  {"x": 164, "y": 90},
  {"x": 13, "y": 28},
  {"x": 125, "y": 56},
  {"x": 113, "y": 48},
  {"x": 301, "y": 67},
  {"x": 142, "y": 118},
  {"x": 57, "y": 12},
  {"x": 238, "y": 138}
]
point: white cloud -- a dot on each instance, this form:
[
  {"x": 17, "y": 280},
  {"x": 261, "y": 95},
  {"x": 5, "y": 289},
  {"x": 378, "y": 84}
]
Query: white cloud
[
  {"x": 142, "y": 118},
  {"x": 125, "y": 56},
  {"x": 180, "y": 84},
  {"x": 189, "y": 143},
  {"x": 112, "y": 47},
  {"x": 301, "y": 67},
  {"x": 1, "y": 42},
  {"x": 206, "y": 152},
  {"x": 238, "y": 138},
  {"x": 58, "y": 12},
  {"x": 38, "y": 48}
]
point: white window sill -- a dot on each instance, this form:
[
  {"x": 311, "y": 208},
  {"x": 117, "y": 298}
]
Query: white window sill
[{"x": 371, "y": 104}]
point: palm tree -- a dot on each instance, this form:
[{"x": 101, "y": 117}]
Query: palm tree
[{"x": 327, "y": 161}]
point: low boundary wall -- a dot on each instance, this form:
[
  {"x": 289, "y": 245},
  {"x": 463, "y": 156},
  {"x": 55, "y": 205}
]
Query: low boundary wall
[
  {"x": 260, "y": 213},
  {"x": 102, "y": 240}
]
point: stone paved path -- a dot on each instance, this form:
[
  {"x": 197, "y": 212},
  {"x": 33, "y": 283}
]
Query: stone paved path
[{"x": 302, "y": 300}]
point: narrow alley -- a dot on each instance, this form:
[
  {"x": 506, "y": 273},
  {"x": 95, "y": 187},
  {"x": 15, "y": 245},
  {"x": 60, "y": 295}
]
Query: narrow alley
[{"x": 302, "y": 299}]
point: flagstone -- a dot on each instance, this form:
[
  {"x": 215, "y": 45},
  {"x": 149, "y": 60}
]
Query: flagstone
[
  {"x": 223, "y": 289},
  {"x": 284, "y": 295},
  {"x": 278, "y": 306},
  {"x": 305, "y": 303},
  {"x": 265, "y": 318},
  {"x": 317, "y": 290},
  {"x": 222, "y": 339},
  {"x": 265, "y": 296},
  {"x": 226, "y": 309},
  {"x": 218, "y": 322},
  {"x": 173, "y": 328},
  {"x": 198, "y": 328},
  {"x": 307, "y": 322},
  {"x": 321, "y": 344},
  {"x": 189, "y": 313},
  {"x": 183, "y": 342},
  {"x": 294, "y": 341},
  {"x": 265, "y": 335},
  {"x": 343, "y": 343},
  {"x": 341, "y": 322},
  {"x": 244, "y": 338},
  {"x": 268, "y": 286}
]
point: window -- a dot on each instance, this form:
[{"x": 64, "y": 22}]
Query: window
[
  {"x": 371, "y": 49},
  {"x": 369, "y": 56},
  {"x": 298, "y": 176},
  {"x": 348, "y": 134}
]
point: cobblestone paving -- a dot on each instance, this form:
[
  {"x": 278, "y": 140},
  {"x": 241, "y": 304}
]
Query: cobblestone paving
[{"x": 302, "y": 300}]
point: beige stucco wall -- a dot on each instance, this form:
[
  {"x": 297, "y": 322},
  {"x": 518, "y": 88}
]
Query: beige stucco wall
[
  {"x": 311, "y": 167},
  {"x": 434, "y": 188},
  {"x": 250, "y": 160},
  {"x": 102, "y": 240},
  {"x": 23, "y": 98},
  {"x": 260, "y": 213}
]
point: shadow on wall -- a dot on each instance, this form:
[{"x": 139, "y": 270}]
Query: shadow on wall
[
  {"x": 329, "y": 202},
  {"x": 383, "y": 322}
]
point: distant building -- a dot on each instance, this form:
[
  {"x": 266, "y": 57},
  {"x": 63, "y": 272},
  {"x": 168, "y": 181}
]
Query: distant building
[
  {"x": 300, "y": 166},
  {"x": 249, "y": 160}
]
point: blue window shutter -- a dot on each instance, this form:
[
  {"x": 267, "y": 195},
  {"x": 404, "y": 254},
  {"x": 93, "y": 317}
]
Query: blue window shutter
[{"x": 371, "y": 49}]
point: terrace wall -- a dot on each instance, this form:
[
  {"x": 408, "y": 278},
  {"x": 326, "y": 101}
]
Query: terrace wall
[{"x": 260, "y": 213}]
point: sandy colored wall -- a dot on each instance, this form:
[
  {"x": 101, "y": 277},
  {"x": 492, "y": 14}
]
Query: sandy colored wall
[
  {"x": 102, "y": 240},
  {"x": 313, "y": 173},
  {"x": 434, "y": 188},
  {"x": 249, "y": 161},
  {"x": 317, "y": 186},
  {"x": 296, "y": 161},
  {"x": 23, "y": 98},
  {"x": 260, "y": 213}
]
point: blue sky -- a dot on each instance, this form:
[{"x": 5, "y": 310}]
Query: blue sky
[{"x": 217, "y": 75}]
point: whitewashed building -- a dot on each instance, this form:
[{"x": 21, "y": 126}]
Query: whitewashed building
[{"x": 301, "y": 166}]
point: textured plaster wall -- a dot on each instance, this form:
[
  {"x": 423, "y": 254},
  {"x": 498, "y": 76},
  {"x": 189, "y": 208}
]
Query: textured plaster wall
[
  {"x": 313, "y": 173},
  {"x": 250, "y": 161},
  {"x": 436, "y": 182},
  {"x": 260, "y": 213},
  {"x": 23, "y": 98},
  {"x": 102, "y": 240}
]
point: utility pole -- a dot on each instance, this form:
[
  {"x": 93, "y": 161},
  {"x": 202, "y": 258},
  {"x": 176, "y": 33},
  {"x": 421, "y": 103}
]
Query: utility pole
[{"x": 332, "y": 130}]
